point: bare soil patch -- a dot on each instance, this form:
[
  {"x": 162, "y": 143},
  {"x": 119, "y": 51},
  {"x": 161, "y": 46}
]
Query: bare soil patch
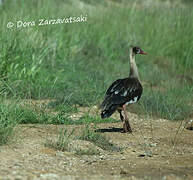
[{"x": 157, "y": 149}]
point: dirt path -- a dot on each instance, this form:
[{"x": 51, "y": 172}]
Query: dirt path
[{"x": 157, "y": 149}]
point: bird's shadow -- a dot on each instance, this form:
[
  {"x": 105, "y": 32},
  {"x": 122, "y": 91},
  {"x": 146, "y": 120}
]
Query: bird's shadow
[{"x": 110, "y": 129}]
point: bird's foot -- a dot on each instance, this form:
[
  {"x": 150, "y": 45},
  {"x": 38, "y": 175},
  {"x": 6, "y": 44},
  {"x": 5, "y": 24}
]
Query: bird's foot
[{"x": 126, "y": 127}]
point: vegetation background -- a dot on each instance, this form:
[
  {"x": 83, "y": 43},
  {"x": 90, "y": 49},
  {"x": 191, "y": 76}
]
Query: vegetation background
[{"x": 71, "y": 65}]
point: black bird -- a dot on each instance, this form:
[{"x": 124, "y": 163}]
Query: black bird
[{"x": 123, "y": 92}]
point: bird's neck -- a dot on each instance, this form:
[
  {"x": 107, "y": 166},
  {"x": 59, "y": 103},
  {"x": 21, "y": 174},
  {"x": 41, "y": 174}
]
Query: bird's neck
[{"x": 133, "y": 67}]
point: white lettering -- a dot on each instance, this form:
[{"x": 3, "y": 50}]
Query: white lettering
[
  {"x": 44, "y": 22},
  {"x": 25, "y": 24}
]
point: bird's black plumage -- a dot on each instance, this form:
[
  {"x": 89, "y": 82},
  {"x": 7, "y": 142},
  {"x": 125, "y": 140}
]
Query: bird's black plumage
[{"x": 121, "y": 92}]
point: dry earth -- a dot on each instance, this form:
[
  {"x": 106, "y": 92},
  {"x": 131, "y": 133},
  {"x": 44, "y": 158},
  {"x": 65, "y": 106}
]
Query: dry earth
[{"x": 157, "y": 149}]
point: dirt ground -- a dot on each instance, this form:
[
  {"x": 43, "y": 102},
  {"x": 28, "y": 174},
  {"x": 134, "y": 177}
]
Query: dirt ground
[{"x": 157, "y": 149}]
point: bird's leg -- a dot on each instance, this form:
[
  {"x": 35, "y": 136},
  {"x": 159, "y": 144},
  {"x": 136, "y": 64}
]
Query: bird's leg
[
  {"x": 126, "y": 125},
  {"x": 121, "y": 116}
]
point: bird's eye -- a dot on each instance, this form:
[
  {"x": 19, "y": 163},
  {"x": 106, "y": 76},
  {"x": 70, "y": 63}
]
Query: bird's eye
[{"x": 138, "y": 51}]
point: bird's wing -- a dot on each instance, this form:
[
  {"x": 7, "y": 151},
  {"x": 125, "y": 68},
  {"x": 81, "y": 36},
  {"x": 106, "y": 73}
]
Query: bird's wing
[
  {"x": 114, "y": 86},
  {"x": 122, "y": 91}
]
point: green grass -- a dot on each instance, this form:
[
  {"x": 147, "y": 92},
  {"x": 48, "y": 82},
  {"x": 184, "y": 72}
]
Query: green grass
[
  {"x": 32, "y": 116},
  {"x": 63, "y": 106},
  {"x": 65, "y": 138},
  {"x": 63, "y": 118},
  {"x": 167, "y": 105},
  {"x": 87, "y": 119},
  {"x": 75, "y": 63},
  {"x": 62, "y": 141},
  {"x": 91, "y": 151},
  {"x": 99, "y": 140},
  {"x": 9, "y": 119}
]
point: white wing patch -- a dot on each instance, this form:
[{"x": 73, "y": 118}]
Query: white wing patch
[
  {"x": 112, "y": 89},
  {"x": 132, "y": 101},
  {"x": 132, "y": 89},
  {"x": 116, "y": 92},
  {"x": 125, "y": 93}
]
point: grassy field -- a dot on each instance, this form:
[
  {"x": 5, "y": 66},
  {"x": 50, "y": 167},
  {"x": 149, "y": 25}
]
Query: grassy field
[{"x": 73, "y": 63}]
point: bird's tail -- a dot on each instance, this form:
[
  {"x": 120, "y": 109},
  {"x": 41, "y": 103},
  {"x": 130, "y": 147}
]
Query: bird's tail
[{"x": 108, "y": 112}]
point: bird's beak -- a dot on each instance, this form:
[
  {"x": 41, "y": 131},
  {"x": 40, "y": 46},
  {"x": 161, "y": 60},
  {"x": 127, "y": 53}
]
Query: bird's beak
[{"x": 144, "y": 53}]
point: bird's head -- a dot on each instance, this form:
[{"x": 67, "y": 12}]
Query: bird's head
[{"x": 137, "y": 50}]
